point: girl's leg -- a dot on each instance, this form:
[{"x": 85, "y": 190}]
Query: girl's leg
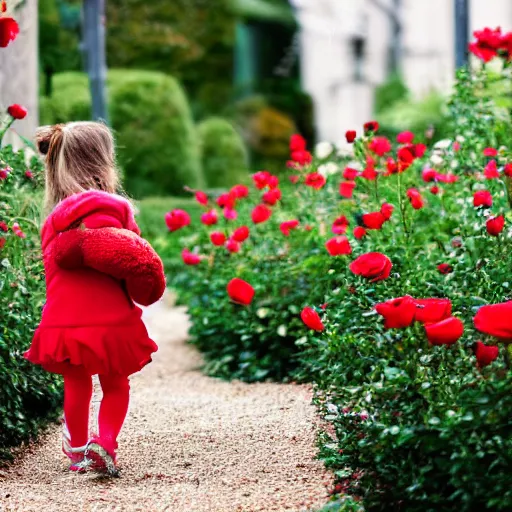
[
  {"x": 113, "y": 408},
  {"x": 77, "y": 400}
]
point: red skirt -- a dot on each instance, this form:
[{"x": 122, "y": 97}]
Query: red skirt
[{"x": 120, "y": 349}]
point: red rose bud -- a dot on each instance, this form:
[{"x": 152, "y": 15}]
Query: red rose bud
[
  {"x": 201, "y": 198},
  {"x": 350, "y": 174},
  {"x": 371, "y": 126},
  {"x": 312, "y": 319},
  {"x": 218, "y": 238},
  {"x": 240, "y": 291},
  {"x": 340, "y": 225},
  {"x": 507, "y": 170},
  {"x": 294, "y": 179},
  {"x": 287, "y": 226},
  {"x": 226, "y": 200},
  {"x": 380, "y": 146},
  {"x": 209, "y": 218},
  {"x": 429, "y": 311},
  {"x": 397, "y": 313},
  {"x": 261, "y": 213},
  {"x": 490, "y": 152},
  {"x": 177, "y": 219},
  {"x": 445, "y": 332},
  {"x": 190, "y": 258},
  {"x": 387, "y": 209},
  {"x": 434, "y": 190},
  {"x": 347, "y": 189},
  {"x": 405, "y": 137},
  {"x": 239, "y": 191},
  {"x": 9, "y": 29},
  {"x": 232, "y": 246},
  {"x": 482, "y": 198},
  {"x": 429, "y": 175},
  {"x": 29, "y": 174},
  {"x": 2, "y": 242},
  {"x": 302, "y": 157},
  {"x": 297, "y": 143},
  {"x": 373, "y": 220},
  {"x": 315, "y": 180},
  {"x": 485, "y": 354},
  {"x": 3, "y": 226},
  {"x": 338, "y": 246},
  {"x": 495, "y": 225},
  {"x": 373, "y": 265},
  {"x": 17, "y": 111},
  {"x": 240, "y": 234},
  {"x": 444, "y": 268},
  {"x": 260, "y": 179},
  {"x": 4, "y": 173},
  {"x": 359, "y": 232},
  {"x": 271, "y": 197},
  {"x": 415, "y": 198},
  {"x": 350, "y": 135},
  {"x": 495, "y": 320},
  {"x": 491, "y": 170}
]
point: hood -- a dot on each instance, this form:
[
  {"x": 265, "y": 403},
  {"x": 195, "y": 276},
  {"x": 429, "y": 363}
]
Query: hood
[{"x": 94, "y": 209}]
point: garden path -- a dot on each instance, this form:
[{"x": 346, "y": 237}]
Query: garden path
[{"x": 191, "y": 443}]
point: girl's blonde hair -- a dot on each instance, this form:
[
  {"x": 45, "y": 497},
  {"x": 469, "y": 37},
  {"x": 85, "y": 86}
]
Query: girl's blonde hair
[{"x": 80, "y": 156}]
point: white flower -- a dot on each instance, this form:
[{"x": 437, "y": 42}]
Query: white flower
[
  {"x": 436, "y": 159},
  {"x": 460, "y": 138},
  {"x": 323, "y": 150},
  {"x": 328, "y": 169},
  {"x": 443, "y": 144},
  {"x": 344, "y": 149}
]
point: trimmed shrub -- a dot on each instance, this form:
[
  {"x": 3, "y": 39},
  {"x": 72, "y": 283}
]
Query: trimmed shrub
[
  {"x": 157, "y": 144},
  {"x": 389, "y": 93},
  {"x": 223, "y": 153}
]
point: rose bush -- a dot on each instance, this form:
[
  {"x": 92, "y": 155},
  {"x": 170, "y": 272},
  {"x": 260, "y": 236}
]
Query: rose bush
[{"x": 383, "y": 277}]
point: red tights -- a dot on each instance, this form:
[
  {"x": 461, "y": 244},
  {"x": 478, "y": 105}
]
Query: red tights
[{"x": 113, "y": 408}]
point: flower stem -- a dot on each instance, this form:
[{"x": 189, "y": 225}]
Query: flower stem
[
  {"x": 401, "y": 205},
  {"x": 4, "y": 131}
]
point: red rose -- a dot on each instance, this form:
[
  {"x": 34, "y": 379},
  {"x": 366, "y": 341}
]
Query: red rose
[
  {"x": 434, "y": 190},
  {"x": 490, "y": 152},
  {"x": 397, "y": 313},
  {"x": 240, "y": 234},
  {"x": 495, "y": 320},
  {"x": 9, "y": 29},
  {"x": 373, "y": 220},
  {"x": 302, "y": 157},
  {"x": 2, "y": 242},
  {"x": 387, "y": 209},
  {"x": 373, "y": 265},
  {"x": 261, "y": 213},
  {"x": 297, "y": 143},
  {"x": 445, "y": 332},
  {"x": 232, "y": 245},
  {"x": 485, "y": 354},
  {"x": 495, "y": 225},
  {"x": 218, "y": 238},
  {"x": 240, "y": 291},
  {"x": 3, "y": 6},
  {"x": 359, "y": 232},
  {"x": 17, "y": 111},
  {"x": 347, "y": 189},
  {"x": 29, "y": 174},
  {"x": 272, "y": 196},
  {"x": 369, "y": 174},
  {"x": 201, "y": 198},
  {"x": 239, "y": 191},
  {"x": 482, "y": 198},
  {"x": 507, "y": 170},
  {"x": 447, "y": 178},
  {"x": 415, "y": 198},
  {"x": 405, "y": 156},
  {"x": 190, "y": 258},
  {"x": 380, "y": 146},
  {"x": 294, "y": 179},
  {"x": 429, "y": 175},
  {"x": 350, "y": 135},
  {"x": 350, "y": 174},
  {"x": 3, "y": 226},
  {"x": 371, "y": 126},
  {"x": 487, "y": 43},
  {"x": 4, "y": 173},
  {"x": 391, "y": 166},
  {"x": 445, "y": 268},
  {"x": 273, "y": 181},
  {"x": 491, "y": 170},
  {"x": 312, "y": 319},
  {"x": 260, "y": 179},
  {"x": 285, "y": 227},
  {"x": 209, "y": 218},
  {"x": 419, "y": 150},
  {"x": 456, "y": 146},
  {"x": 315, "y": 180},
  {"x": 340, "y": 225},
  {"x": 177, "y": 219},
  {"x": 405, "y": 137},
  {"x": 226, "y": 200},
  {"x": 429, "y": 311},
  {"x": 338, "y": 246}
]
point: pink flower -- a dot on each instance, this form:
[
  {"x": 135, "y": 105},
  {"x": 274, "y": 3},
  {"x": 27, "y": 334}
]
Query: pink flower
[
  {"x": 209, "y": 218},
  {"x": 490, "y": 152},
  {"x": 177, "y": 219},
  {"x": 190, "y": 258},
  {"x": 491, "y": 170},
  {"x": 17, "y": 230},
  {"x": 239, "y": 191},
  {"x": 201, "y": 198},
  {"x": 405, "y": 137},
  {"x": 380, "y": 146},
  {"x": 294, "y": 179},
  {"x": 232, "y": 245},
  {"x": 230, "y": 213},
  {"x": 429, "y": 175},
  {"x": 340, "y": 225},
  {"x": 272, "y": 196},
  {"x": 261, "y": 179}
]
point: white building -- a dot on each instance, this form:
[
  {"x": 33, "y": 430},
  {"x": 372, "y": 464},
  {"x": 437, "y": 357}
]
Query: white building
[{"x": 330, "y": 29}]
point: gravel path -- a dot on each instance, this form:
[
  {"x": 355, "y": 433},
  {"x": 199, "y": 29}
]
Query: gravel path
[{"x": 190, "y": 443}]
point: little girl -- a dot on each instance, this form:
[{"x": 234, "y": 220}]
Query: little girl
[{"x": 97, "y": 267}]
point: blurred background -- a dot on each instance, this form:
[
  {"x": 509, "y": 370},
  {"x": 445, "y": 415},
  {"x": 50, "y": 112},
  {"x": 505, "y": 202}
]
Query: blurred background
[{"x": 200, "y": 91}]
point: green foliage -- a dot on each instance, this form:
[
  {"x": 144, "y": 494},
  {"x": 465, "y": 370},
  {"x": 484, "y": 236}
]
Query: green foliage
[
  {"x": 413, "y": 426},
  {"x": 389, "y": 93},
  {"x": 157, "y": 145},
  {"x": 223, "y": 153},
  {"x": 28, "y": 396}
]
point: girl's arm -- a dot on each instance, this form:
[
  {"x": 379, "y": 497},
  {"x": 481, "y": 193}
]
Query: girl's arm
[{"x": 119, "y": 253}]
